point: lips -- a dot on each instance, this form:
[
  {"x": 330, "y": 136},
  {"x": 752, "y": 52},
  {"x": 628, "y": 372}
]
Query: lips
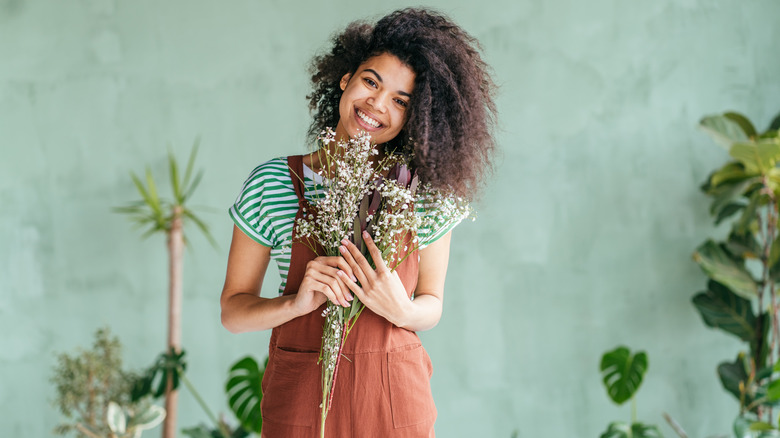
[{"x": 368, "y": 122}]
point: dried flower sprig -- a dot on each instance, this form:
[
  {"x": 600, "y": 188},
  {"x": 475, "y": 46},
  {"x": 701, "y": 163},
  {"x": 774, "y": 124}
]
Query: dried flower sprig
[{"x": 359, "y": 198}]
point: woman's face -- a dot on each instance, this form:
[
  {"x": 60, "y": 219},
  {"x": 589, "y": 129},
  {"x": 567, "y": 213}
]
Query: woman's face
[{"x": 375, "y": 99}]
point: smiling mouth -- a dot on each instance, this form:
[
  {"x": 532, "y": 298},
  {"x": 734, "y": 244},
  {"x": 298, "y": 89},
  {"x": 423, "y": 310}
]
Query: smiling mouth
[{"x": 365, "y": 118}]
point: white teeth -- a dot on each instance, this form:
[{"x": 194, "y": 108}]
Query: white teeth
[{"x": 364, "y": 117}]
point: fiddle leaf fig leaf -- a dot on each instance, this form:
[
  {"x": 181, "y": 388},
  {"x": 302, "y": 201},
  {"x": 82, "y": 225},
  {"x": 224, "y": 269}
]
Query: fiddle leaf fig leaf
[
  {"x": 748, "y": 220},
  {"x": 729, "y": 193},
  {"x": 733, "y": 171},
  {"x": 773, "y": 391},
  {"x": 717, "y": 263},
  {"x": 743, "y": 122},
  {"x": 721, "y": 308},
  {"x": 728, "y": 210},
  {"x": 744, "y": 245},
  {"x": 734, "y": 376},
  {"x": 623, "y": 373},
  {"x": 723, "y": 130},
  {"x": 757, "y": 157},
  {"x": 759, "y": 345}
]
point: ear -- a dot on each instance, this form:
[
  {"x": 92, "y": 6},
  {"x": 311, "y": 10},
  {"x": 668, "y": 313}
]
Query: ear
[{"x": 344, "y": 81}]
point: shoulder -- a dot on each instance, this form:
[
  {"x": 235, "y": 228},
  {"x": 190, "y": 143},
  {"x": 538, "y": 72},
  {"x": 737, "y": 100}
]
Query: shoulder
[
  {"x": 439, "y": 214},
  {"x": 266, "y": 179},
  {"x": 273, "y": 169}
]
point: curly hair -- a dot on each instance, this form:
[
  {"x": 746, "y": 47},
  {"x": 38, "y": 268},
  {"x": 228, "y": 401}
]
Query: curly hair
[{"x": 449, "y": 131}]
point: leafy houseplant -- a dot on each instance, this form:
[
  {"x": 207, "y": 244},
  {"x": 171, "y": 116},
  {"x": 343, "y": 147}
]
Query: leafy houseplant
[
  {"x": 242, "y": 388},
  {"x": 168, "y": 217},
  {"x": 94, "y": 391},
  {"x": 623, "y": 373},
  {"x": 744, "y": 269}
]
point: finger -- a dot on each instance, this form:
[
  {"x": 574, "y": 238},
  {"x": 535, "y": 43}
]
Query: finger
[
  {"x": 354, "y": 287},
  {"x": 340, "y": 263},
  {"x": 332, "y": 267},
  {"x": 331, "y": 286},
  {"x": 355, "y": 259},
  {"x": 376, "y": 255}
]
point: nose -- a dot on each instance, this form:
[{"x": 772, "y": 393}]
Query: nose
[{"x": 379, "y": 101}]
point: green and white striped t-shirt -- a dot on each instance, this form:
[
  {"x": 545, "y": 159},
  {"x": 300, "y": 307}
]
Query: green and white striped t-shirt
[{"x": 266, "y": 207}]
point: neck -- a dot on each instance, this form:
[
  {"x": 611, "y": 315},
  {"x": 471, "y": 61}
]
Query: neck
[{"x": 318, "y": 160}]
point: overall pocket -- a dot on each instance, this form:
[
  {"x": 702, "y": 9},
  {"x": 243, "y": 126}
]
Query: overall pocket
[
  {"x": 409, "y": 372},
  {"x": 292, "y": 394}
]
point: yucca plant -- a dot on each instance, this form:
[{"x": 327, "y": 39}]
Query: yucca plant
[
  {"x": 744, "y": 269},
  {"x": 160, "y": 215}
]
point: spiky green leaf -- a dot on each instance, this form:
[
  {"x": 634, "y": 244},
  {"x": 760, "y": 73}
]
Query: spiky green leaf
[
  {"x": 173, "y": 172},
  {"x": 202, "y": 226},
  {"x": 190, "y": 165}
]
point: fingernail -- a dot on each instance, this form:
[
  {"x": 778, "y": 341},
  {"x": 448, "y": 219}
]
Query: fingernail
[
  {"x": 354, "y": 279},
  {"x": 343, "y": 249},
  {"x": 349, "y": 297},
  {"x": 344, "y": 242},
  {"x": 365, "y": 234}
]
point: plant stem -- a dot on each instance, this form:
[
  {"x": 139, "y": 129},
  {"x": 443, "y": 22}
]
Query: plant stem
[
  {"x": 771, "y": 229},
  {"x": 175, "y": 255},
  {"x": 633, "y": 410},
  {"x": 203, "y": 405},
  {"x": 675, "y": 426},
  {"x": 86, "y": 431}
]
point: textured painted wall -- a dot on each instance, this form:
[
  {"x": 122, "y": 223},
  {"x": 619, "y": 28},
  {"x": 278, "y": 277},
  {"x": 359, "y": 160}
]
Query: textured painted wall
[{"x": 583, "y": 240}]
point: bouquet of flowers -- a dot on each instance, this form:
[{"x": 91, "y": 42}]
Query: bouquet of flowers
[{"x": 360, "y": 198}]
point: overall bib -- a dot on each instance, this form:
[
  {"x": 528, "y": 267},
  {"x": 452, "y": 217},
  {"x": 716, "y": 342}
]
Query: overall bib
[{"x": 383, "y": 384}]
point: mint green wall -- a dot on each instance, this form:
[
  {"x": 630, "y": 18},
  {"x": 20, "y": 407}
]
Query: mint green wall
[{"x": 583, "y": 241}]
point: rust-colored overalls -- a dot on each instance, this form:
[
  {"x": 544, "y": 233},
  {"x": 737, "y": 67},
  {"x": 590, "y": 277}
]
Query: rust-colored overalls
[{"x": 383, "y": 384}]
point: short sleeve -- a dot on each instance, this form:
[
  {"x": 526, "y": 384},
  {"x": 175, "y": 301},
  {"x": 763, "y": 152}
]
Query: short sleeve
[
  {"x": 439, "y": 217},
  {"x": 248, "y": 210}
]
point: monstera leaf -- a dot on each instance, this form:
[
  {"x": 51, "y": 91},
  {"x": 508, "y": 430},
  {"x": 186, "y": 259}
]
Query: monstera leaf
[
  {"x": 155, "y": 378},
  {"x": 636, "y": 430},
  {"x": 623, "y": 373},
  {"x": 244, "y": 393}
]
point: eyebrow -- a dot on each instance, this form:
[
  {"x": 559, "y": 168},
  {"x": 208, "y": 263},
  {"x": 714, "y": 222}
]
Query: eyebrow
[{"x": 379, "y": 78}]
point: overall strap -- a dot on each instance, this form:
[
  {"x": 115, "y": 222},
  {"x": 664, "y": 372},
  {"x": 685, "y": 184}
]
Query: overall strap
[{"x": 295, "y": 164}]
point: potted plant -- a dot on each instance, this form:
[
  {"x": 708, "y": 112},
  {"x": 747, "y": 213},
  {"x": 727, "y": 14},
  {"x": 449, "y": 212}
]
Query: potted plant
[{"x": 741, "y": 296}]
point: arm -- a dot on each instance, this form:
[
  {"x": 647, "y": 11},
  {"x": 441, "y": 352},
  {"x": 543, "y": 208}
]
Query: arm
[
  {"x": 243, "y": 309},
  {"x": 384, "y": 293}
]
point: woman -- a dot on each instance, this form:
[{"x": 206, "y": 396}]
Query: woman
[{"x": 417, "y": 84}]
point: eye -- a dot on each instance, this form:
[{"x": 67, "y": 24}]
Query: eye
[
  {"x": 402, "y": 102},
  {"x": 370, "y": 82}
]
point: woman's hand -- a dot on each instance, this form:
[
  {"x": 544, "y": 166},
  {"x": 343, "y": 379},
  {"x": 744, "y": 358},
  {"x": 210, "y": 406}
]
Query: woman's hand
[
  {"x": 382, "y": 290},
  {"x": 321, "y": 282}
]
